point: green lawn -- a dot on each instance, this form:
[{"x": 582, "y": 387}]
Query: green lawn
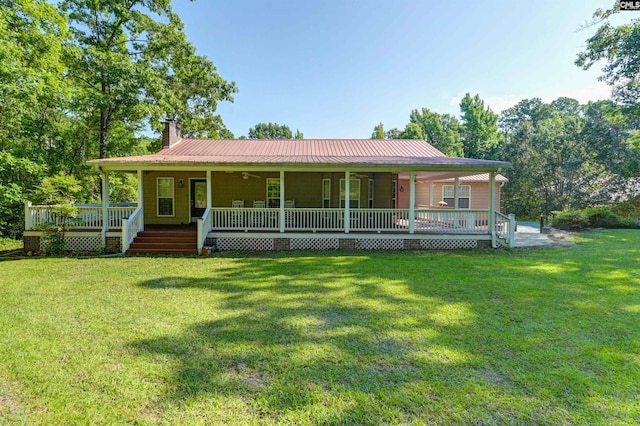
[{"x": 527, "y": 336}]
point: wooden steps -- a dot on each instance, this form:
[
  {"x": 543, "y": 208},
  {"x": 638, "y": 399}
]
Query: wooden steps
[{"x": 174, "y": 241}]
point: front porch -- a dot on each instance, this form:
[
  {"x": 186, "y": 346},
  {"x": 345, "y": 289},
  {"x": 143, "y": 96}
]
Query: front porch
[{"x": 285, "y": 228}]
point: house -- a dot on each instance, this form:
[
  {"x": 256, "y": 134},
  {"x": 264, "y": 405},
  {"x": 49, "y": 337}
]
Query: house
[{"x": 251, "y": 194}]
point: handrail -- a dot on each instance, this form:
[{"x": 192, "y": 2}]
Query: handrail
[
  {"x": 89, "y": 216},
  {"x": 130, "y": 228},
  {"x": 204, "y": 226},
  {"x": 505, "y": 227}
]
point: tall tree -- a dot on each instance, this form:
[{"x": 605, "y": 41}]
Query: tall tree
[
  {"x": 273, "y": 131},
  {"x": 133, "y": 66},
  {"x": 378, "y": 132},
  {"x": 440, "y": 130},
  {"x": 619, "y": 47},
  {"x": 479, "y": 129}
]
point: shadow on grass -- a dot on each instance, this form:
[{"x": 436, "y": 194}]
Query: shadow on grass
[{"x": 473, "y": 337}]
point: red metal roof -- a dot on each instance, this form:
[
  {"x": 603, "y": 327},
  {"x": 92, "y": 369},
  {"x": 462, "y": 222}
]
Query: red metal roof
[{"x": 302, "y": 151}]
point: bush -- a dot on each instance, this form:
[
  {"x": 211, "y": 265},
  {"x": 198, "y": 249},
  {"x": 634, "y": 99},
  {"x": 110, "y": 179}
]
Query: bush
[
  {"x": 574, "y": 220},
  {"x": 578, "y": 220}
]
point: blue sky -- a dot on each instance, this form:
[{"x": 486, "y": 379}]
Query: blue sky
[{"x": 335, "y": 69}]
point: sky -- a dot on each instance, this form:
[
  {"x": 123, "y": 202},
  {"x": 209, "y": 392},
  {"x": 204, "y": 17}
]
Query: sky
[{"x": 337, "y": 68}]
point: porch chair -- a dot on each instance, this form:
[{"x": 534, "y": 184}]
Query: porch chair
[
  {"x": 236, "y": 217},
  {"x": 258, "y": 217}
]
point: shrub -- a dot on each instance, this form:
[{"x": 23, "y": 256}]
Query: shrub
[
  {"x": 577, "y": 220},
  {"x": 574, "y": 220}
]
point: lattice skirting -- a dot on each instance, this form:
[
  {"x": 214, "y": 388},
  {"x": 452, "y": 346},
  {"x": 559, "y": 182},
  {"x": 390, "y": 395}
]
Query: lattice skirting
[
  {"x": 245, "y": 244},
  {"x": 315, "y": 244},
  {"x": 379, "y": 244},
  {"x": 448, "y": 244},
  {"x": 82, "y": 244}
]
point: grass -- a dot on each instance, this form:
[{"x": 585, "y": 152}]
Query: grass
[
  {"x": 9, "y": 245},
  {"x": 527, "y": 336}
]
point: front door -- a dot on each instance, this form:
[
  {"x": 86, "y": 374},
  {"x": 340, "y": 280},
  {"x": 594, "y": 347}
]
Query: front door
[{"x": 198, "y": 197}]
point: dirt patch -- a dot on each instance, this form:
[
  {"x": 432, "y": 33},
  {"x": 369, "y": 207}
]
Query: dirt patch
[{"x": 562, "y": 238}]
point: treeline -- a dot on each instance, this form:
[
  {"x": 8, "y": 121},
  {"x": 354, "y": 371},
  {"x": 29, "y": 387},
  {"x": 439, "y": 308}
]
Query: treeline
[
  {"x": 85, "y": 79},
  {"x": 565, "y": 155}
]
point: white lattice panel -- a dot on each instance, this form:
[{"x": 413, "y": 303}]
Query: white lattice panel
[
  {"x": 315, "y": 244},
  {"x": 81, "y": 244},
  {"x": 448, "y": 244},
  {"x": 379, "y": 244},
  {"x": 245, "y": 244}
]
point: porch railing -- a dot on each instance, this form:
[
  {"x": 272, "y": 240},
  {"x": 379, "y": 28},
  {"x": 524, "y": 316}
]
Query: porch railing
[
  {"x": 130, "y": 228},
  {"x": 204, "y": 226},
  {"x": 505, "y": 227},
  {"x": 89, "y": 216},
  {"x": 361, "y": 220}
]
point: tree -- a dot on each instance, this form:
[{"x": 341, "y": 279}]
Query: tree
[
  {"x": 133, "y": 65},
  {"x": 440, "y": 130},
  {"x": 273, "y": 131},
  {"x": 378, "y": 132},
  {"x": 619, "y": 47},
  {"x": 479, "y": 129}
]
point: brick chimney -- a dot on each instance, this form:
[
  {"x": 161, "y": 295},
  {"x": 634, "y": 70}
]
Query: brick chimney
[{"x": 171, "y": 134}]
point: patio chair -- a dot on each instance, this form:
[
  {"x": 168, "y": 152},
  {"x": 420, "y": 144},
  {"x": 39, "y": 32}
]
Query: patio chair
[
  {"x": 258, "y": 217},
  {"x": 236, "y": 217}
]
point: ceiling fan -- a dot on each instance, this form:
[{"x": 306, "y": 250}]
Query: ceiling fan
[
  {"x": 359, "y": 176},
  {"x": 247, "y": 175}
]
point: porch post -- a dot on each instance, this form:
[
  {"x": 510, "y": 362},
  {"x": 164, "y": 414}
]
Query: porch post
[
  {"x": 492, "y": 208},
  {"x": 105, "y": 208},
  {"x": 141, "y": 193},
  {"x": 282, "y": 218},
  {"x": 347, "y": 201},
  {"x": 412, "y": 202},
  {"x": 456, "y": 193},
  {"x": 431, "y": 189},
  {"x": 209, "y": 190}
]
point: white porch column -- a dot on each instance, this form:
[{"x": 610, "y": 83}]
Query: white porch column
[
  {"x": 492, "y": 208},
  {"x": 141, "y": 192},
  {"x": 456, "y": 193},
  {"x": 105, "y": 208},
  {"x": 431, "y": 189},
  {"x": 412, "y": 202},
  {"x": 347, "y": 201},
  {"x": 282, "y": 218},
  {"x": 209, "y": 190}
]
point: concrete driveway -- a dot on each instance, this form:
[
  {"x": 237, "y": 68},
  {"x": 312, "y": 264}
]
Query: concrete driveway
[{"x": 528, "y": 235}]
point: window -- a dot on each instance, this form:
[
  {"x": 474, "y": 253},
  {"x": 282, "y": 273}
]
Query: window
[
  {"x": 165, "y": 191},
  {"x": 354, "y": 193},
  {"x": 464, "y": 196},
  {"x": 326, "y": 193},
  {"x": 273, "y": 192},
  {"x": 394, "y": 193},
  {"x": 370, "y": 193}
]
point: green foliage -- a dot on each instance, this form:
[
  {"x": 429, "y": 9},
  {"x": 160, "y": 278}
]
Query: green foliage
[
  {"x": 629, "y": 209},
  {"x": 440, "y": 130},
  {"x": 273, "y": 131},
  {"x": 574, "y": 220},
  {"x": 59, "y": 189},
  {"x": 618, "y": 47},
  {"x": 378, "y": 132},
  {"x": 479, "y": 129},
  {"x": 578, "y": 220}
]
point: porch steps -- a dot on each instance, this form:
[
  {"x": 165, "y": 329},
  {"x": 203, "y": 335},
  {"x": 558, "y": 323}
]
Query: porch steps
[{"x": 175, "y": 242}]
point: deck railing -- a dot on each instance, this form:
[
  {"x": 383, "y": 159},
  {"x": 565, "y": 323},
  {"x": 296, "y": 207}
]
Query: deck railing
[
  {"x": 505, "y": 227},
  {"x": 130, "y": 228},
  {"x": 89, "y": 216},
  {"x": 204, "y": 226},
  {"x": 361, "y": 220}
]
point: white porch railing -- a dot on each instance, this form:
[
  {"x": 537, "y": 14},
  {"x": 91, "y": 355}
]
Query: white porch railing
[
  {"x": 130, "y": 228},
  {"x": 361, "y": 220},
  {"x": 505, "y": 227},
  {"x": 204, "y": 226},
  {"x": 89, "y": 216}
]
